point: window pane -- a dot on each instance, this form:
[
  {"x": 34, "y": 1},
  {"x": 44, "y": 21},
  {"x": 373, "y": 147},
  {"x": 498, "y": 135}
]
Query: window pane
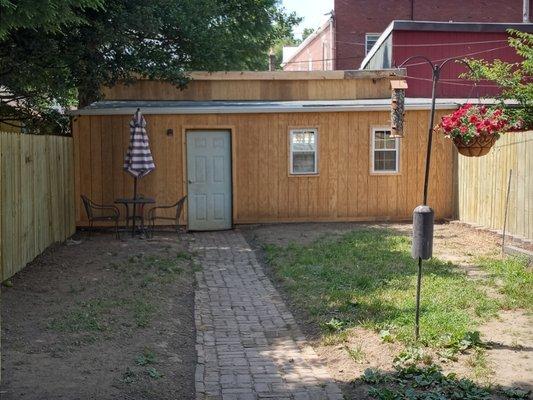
[
  {"x": 382, "y": 140},
  {"x": 371, "y": 39},
  {"x": 303, "y": 141},
  {"x": 303, "y": 162},
  {"x": 384, "y": 160}
]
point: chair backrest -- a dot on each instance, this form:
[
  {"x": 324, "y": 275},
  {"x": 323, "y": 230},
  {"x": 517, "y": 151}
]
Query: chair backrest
[
  {"x": 87, "y": 205},
  {"x": 179, "y": 208}
]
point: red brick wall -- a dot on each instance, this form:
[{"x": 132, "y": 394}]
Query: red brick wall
[
  {"x": 354, "y": 18},
  {"x": 318, "y": 50}
]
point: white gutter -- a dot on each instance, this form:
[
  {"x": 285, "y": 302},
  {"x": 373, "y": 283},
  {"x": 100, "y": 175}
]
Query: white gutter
[{"x": 255, "y": 109}]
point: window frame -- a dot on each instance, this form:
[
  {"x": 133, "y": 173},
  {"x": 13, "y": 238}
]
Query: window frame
[
  {"x": 373, "y": 150},
  {"x": 293, "y": 130},
  {"x": 366, "y": 41}
]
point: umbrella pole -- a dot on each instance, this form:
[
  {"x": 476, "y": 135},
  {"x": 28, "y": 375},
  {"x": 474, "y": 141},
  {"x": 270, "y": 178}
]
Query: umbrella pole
[{"x": 134, "y": 206}]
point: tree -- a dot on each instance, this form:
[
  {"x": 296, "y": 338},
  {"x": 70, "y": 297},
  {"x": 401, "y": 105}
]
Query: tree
[
  {"x": 124, "y": 39},
  {"x": 307, "y": 32},
  {"x": 513, "y": 78},
  {"x": 48, "y": 15},
  {"x": 288, "y": 40}
]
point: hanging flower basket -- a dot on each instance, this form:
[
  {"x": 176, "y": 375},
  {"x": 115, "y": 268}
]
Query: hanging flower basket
[
  {"x": 477, "y": 147},
  {"x": 475, "y": 129}
]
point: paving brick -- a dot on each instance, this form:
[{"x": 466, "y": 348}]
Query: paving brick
[{"x": 248, "y": 344}]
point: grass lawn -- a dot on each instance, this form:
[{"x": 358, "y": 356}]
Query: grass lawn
[{"x": 367, "y": 278}]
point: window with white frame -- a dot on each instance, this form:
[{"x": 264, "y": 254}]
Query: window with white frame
[
  {"x": 303, "y": 151},
  {"x": 370, "y": 41},
  {"x": 385, "y": 151}
]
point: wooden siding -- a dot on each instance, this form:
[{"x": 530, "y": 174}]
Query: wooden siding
[
  {"x": 323, "y": 85},
  {"x": 36, "y": 197},
  {"x": 263, "y": 190},
  {"x": 482, "y": 186}
]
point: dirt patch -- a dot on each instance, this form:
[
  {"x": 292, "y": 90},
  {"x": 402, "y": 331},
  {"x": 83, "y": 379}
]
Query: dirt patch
[
  {"x": 510, "y": 338},
  {"x": 454, "y": 239},
  {"x": 508, "y": 361},
  {"x": 101, "y": 319}
]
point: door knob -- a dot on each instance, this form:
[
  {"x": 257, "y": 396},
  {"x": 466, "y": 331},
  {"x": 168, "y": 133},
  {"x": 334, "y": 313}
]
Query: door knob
[{"x": 189, "y": 181}]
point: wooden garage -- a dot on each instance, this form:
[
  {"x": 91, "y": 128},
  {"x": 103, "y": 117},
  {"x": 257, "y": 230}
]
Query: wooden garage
[{"x": 281, "y": 146}]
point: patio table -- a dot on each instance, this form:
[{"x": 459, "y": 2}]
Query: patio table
[{"x": 139, "y": 201}]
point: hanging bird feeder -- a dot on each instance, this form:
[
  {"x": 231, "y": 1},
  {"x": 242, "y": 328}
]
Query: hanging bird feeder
[{"x": 397, "y": 107}]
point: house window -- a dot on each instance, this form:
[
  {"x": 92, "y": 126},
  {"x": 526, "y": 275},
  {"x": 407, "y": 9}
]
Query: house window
[
  {"x": 370, "y": 41},
  {"x": 303, "y": 151},
  {"x": 385, "y": 151}
]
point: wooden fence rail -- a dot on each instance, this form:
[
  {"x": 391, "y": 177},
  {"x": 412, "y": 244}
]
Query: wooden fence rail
[
  {"x": 482, "y": 186},
  {"x": 36, "y": 197}
]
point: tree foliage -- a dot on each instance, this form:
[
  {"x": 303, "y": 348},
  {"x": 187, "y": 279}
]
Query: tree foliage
[
  {"x": 43, "y": 66},
  {"x": 48, "y": 15},
  {"x": 515, "y": 79},
  {"x": 288, "y": 40}
]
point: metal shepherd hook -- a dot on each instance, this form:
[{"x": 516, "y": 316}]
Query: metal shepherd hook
[{"x": 423, "y": 216}]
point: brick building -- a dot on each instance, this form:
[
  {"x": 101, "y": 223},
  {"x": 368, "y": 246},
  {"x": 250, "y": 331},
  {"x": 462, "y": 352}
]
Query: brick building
[
  {"x": 315, "y": 53},
  {"x": 356, "y": 25}
]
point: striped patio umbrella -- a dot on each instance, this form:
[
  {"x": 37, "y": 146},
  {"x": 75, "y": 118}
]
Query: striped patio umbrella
[{"x": 138, "y": 161}]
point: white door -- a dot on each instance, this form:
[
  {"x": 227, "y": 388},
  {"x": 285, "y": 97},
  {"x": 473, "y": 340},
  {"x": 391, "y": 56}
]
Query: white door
[{"x": 209, "y": 180}]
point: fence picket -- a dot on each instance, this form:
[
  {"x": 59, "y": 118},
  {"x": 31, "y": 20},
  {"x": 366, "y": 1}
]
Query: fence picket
[{"x": 36, "y": 200}]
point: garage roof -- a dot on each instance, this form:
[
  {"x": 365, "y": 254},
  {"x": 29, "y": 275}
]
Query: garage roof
[{"x": 116, "y": 107}]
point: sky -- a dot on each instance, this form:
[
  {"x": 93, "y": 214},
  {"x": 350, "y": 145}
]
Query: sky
[{"x": 312, "y": 12}]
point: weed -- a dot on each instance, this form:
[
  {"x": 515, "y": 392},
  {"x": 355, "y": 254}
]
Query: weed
[
  {"x": 147, "y": 357},
  {"x": 478, "y": 362},
  {"x": 373, "y": 376},
  {"x": 333, "y": 339},
  {"x": 153, "y": 373},
  {"x": 147, "y": 280},
  {"x": 128, "y": 376},
  {"x": 356, "y": 353},
  {"x": 333, "y": 325},
  {"x": 183, "y": 255},
  {"x": 8, "y": 283},
  {"x": 87, "y": 316},
  {"x": 427, "y": 383},
  {"x": 448, "y": 354},
  {"x": 411, "y": 356},
  {"x": 142, "y": 312},
  {"x": 386, "y": 336},
  {"x": 470, "y": 339},
  {"x": 162, "y": 265},
  {"x": 516, "y": 393}
]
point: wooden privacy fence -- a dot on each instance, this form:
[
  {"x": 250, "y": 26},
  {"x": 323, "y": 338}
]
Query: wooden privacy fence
[
  {"x": 36, "y": 197},
  {"x": 482, "y": 186}
]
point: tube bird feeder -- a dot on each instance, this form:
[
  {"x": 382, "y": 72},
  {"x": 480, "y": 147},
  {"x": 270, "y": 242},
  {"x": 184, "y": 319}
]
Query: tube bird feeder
[{"x": 397, "y": 107}]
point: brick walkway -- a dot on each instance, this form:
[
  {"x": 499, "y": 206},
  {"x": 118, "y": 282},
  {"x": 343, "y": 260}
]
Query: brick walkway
[{"x": 248, "y": 344}]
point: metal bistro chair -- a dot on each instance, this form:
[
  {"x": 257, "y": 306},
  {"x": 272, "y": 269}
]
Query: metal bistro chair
[
  {"x": 152, "y": 214},
  {"x": 91, "y": 206}
]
